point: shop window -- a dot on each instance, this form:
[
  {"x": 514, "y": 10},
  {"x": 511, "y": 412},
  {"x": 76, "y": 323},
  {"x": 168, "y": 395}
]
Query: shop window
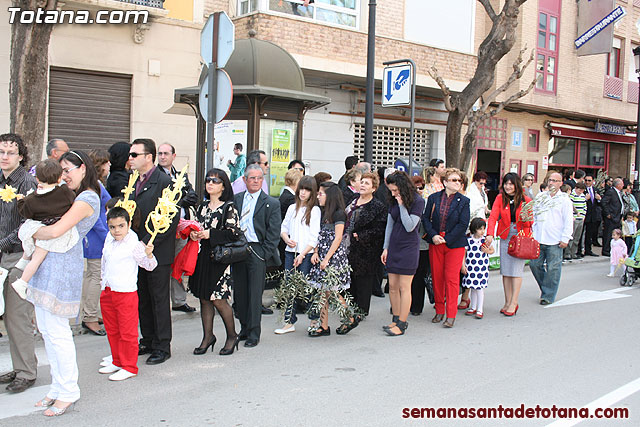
[
  {"x": 547, "y": 45},
  {"x": 592, "y": 153},
  {"x": 339, "y": 12},
  {"x": 564, "y": 152},
  {"x": 492, "y": 133},
  {"x": 533, "y": 141}
]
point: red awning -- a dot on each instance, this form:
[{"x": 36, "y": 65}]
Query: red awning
[{"x": 568, "y": 131}]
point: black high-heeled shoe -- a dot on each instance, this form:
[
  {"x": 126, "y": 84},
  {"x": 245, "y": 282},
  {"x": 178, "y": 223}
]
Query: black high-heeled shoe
[
  {"x": 203, "y": 350},
  {"x": 228, "y": 351}
]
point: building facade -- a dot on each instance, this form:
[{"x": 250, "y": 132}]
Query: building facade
[{"x": 116, "y": 82}]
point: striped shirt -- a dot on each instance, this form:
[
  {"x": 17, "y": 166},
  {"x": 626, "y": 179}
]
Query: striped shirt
[
  {"x": 10, "y": 220},
  {"x": 579, "y": 205}
]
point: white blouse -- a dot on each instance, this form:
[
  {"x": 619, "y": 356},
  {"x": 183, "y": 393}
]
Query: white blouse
[{"x": 298, "y": 230}]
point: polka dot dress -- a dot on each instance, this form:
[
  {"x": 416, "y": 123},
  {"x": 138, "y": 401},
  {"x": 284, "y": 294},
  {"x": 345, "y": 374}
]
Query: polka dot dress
[{"x": 477, "y": 263}]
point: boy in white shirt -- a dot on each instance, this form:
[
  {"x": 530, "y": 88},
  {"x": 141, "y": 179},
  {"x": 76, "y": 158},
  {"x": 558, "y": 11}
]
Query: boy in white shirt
[{"x": 121, "y": 256}]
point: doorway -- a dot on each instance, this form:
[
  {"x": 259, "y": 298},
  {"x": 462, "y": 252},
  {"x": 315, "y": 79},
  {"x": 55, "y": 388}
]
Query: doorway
[{"x": 490, "y": 162}]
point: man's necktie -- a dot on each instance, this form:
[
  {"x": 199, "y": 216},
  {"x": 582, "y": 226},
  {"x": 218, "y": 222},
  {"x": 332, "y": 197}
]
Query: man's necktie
[{"x": 244, "y": 218}]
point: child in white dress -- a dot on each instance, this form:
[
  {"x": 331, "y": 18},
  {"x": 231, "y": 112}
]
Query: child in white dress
[
  {"x": 618, "y": 251},
  {"x": 476, "y": 266}
]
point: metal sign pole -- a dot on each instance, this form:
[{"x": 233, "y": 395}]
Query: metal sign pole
[
  {"x": 213, "y": 91},
  {"x": 413, "y": 114}
]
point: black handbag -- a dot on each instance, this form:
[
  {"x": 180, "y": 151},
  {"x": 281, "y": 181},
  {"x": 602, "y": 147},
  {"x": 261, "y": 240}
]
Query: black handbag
[{"x": 232, "y": 252}]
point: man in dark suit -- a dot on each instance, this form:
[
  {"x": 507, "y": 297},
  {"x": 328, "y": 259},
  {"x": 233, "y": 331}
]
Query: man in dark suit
[
  {"x": 166, "y": 157},
  {"x": 593, "y": 217},
  {"x": 260, "y": 220},
  {"x": 612, "y": 210},
  {"x": 153, "y": 286}
]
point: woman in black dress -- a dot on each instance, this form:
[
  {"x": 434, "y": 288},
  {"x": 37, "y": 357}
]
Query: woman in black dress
[
  {"x": 366, "y": 221},
  {"x": 401, "y": 247},
  {"x": 210, "y": 281}
]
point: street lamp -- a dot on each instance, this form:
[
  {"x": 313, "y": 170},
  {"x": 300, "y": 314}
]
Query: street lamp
[{"x": 636, "y": 184}]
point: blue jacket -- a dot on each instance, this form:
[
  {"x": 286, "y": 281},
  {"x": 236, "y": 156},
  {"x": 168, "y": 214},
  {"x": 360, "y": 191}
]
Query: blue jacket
[
  {"x": 94, "y": 242},
  {"x": 457, "y": 220}
]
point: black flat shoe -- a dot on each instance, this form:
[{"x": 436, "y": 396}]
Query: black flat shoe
[
  {"x": 266, "y": 310},
  {"x": 157, "y": 357},
  {"x": 202, "y": 350},
  {"x": 251, "y": 343},
  {"x": 227, "y": 351},
  {"x": 99, "y": 332},
  {"x": 143, "y": 349},
  {"x": 186, "y": 308},
  {"x": 319, "y": 332}
]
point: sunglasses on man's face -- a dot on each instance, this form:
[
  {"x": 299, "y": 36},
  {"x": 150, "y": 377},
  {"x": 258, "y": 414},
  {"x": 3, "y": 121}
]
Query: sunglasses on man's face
[
  {"x": 212, "y": 180},
  {"x": 133, "y": 154}
]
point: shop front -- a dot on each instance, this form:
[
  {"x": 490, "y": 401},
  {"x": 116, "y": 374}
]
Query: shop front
[{"x": 578, "y": 147}]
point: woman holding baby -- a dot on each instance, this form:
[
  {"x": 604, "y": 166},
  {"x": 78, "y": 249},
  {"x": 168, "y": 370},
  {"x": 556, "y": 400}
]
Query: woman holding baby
[{"x": 56, "y": 287}]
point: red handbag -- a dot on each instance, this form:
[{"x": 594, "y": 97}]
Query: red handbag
[{"x": 523, "y": 246}]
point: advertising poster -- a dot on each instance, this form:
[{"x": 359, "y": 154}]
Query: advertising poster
[
  {"x": 227, "y": 134},
  {"x": 280, "y": 158}
]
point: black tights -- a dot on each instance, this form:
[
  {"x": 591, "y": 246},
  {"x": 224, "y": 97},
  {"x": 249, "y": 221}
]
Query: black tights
[{"x": 207, "y": 313}]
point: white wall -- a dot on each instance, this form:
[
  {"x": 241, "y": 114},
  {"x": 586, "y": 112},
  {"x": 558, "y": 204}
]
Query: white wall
[
  {"x": 328, "y": 138},
  {"x": 445, "y": 24},
  {"x": 5, "y": 49}
]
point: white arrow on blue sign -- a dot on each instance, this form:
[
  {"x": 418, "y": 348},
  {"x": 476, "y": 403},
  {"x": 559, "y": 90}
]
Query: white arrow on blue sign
[{"x": 396, "y": 85}]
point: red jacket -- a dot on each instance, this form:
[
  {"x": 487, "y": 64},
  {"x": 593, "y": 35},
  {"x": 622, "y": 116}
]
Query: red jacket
[
  {"x": 502, "y": 216},
  {"x": 185, "y": 261}
]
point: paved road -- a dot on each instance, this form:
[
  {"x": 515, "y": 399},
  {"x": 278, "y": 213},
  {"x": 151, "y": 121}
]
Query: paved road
[{"x": 567, "y": 355}]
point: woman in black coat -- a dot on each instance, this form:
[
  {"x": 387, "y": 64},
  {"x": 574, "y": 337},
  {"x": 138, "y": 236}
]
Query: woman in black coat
[{"x": 366, "y": 222}]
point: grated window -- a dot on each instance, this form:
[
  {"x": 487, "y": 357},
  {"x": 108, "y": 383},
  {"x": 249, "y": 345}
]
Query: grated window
[{"x": 391, "y": 142}]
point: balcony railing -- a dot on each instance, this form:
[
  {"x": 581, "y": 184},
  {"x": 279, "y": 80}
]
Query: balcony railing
[{"x": 148, "y": 3}]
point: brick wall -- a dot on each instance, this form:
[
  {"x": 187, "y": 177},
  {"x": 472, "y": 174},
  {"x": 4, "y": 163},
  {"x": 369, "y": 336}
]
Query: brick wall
[
  {"x": 580, "y": 80},
  {"x": 389, "y": 17},
  {"x": 338, "y": 44}
]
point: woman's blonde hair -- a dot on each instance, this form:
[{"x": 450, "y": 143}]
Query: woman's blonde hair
[{"x": 292, "y": 177}]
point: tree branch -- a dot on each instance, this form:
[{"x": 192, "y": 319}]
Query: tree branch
[
  {"x": 518, "y": 71},
  {"x": 513, "y": 97},
  {"x": 433, "y": 72},
  {"x": 489, "y": 9}
]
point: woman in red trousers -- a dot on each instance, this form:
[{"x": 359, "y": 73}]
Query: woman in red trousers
[{"x": 445, "y": 221}]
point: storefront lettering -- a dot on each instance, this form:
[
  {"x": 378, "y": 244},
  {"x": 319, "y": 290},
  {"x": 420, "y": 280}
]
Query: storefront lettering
[{"x": 610, "y": 128}]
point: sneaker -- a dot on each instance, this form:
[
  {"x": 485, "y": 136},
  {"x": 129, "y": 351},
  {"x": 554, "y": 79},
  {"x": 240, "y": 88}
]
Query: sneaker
[
  {"x": 611, "y": 275},
  {"x": 283, "y": 330},
  {"x": 109, "y": 369},
  {"x": 122, "y": 375}
]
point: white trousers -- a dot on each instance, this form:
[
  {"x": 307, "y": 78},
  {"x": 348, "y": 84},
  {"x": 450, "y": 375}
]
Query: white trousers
[{"x": 61, "y": 351}]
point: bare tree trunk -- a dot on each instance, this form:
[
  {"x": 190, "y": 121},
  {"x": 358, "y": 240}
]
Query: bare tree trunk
[
  {"x": 28, "y": 81},
  {"x": 494, "y": 47}
]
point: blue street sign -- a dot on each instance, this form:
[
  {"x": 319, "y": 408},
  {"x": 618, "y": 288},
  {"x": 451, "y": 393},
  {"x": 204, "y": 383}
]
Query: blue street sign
[{"x": 396, "y": 86}]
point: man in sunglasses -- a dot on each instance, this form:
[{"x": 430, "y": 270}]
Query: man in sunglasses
[
  {"x": 593, "y": 217},
  {"x": 166, "y": 157},
  {"x": 257, "y": 157},
  {"x": 153, "y": 286}
]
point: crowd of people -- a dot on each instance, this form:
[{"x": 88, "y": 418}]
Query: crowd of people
[{"x": 430, "y": 235}]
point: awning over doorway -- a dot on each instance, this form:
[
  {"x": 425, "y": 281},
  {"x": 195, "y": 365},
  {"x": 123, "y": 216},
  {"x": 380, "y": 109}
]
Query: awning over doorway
[{"x": 581, "y": 132}]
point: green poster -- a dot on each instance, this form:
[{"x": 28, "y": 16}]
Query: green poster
[{"x": 280, "y": 157}]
